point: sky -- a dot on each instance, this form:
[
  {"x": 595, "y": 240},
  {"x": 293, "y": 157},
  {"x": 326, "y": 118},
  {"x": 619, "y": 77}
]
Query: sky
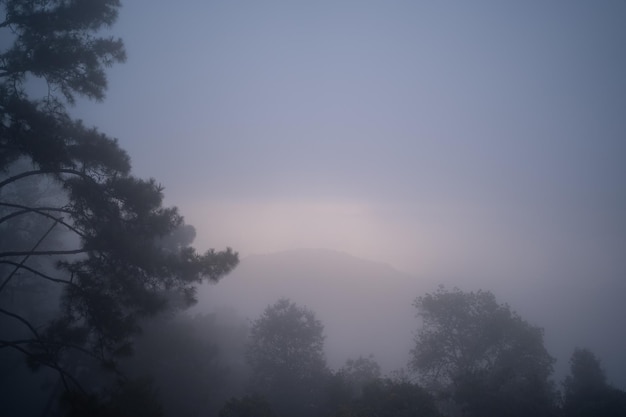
[{"x": 481, "y": 140}]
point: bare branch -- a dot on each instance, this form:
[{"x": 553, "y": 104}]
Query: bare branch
[
  {"x": 43, "y": 252},
  {"x": 26, "y": 209},
  {"x": 63, "y": 373},
  {"x": 43, "y": 172},
  {"x": 38, "y": 273},
  {"x": 44, "y": 343},
  {"x": 22, "y": 320},
  {"x": 41, "y": 239},
  {"x": 41, "y": 211}
]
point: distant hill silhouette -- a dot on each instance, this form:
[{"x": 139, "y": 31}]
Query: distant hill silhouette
[{"x": 366, "y": 307}]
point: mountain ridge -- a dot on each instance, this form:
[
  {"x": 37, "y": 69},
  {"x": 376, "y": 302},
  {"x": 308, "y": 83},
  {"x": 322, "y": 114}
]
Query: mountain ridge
[{"x": 362, "y": 303}]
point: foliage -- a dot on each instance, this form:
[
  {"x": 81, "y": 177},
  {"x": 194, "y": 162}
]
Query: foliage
[
  {"x": 357, "y": 373},
  {"x": 121, "y": 258},
  {"x": 250, "y": 406},
  {"x": 286, "y": 356},
  {"x": 389, "y": 398},
  {"x": 287, "y": 343},
  {"x": 56, "y": 40},
  {"x": 481, "y": 355},
  {"x": 129, "y": 398},
  {"x": 586, "y": 391}
]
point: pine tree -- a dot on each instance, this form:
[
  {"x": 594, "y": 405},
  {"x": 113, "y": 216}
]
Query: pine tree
[{"x": 119, "y": 261}]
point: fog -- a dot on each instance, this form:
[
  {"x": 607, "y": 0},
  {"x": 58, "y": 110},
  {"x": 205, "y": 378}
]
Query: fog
[
  {"x": 367, "y": 307},
  {"x": 481, "y": 144},
  {"x": 358, "y": 154},
  {"x": 482, "y": 138}
]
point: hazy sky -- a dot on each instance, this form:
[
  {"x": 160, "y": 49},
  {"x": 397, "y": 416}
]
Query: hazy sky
[
  {"x": 416, "y": 133},
  {"x": 483, "y": 139}
]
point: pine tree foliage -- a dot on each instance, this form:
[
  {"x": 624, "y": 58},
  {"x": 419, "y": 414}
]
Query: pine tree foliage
[{"x": 122, "y": 257}]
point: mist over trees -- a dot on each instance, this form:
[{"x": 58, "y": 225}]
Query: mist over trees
[
  {"x": 196, "y": 363},
  {"x": 472, "y": 357},
  {"x": 96, "y": 275},
  {"x": 586, "y": 391},
  {"x": 481, "y": 356},
  {"x": 286, "y": 355}
]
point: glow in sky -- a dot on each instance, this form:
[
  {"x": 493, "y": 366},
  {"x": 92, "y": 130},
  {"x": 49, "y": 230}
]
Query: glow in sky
[
  {"x": 491, "y": 107},
  {"x": 483, "y": 140},
  {"x": 422, "y": 134}
]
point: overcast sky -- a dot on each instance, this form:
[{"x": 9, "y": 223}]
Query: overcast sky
[
  {"x": 407, "y": 132},
  {"x": 479, "y": 139}
]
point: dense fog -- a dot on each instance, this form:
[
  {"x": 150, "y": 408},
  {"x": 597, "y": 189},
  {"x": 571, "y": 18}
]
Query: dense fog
[
  {"x": 340, "y": 209},
  {"x": 366, "y": 307}
]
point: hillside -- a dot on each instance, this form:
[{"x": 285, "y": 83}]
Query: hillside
[{"x": 366, "y": 307}]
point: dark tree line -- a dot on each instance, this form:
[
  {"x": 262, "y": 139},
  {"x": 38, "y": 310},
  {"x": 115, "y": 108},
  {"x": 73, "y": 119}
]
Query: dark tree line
[
  {"x": 289, "y": 375},
  {"x": 495, "y": 364},
  {"x": 472, "y": 357}
]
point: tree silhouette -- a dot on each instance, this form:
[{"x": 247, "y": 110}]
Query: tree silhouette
[
  {"x": 124, "y": 258},
  {"x": 481, "y": 355},
  {"x": 586, "y": 392},
  {"x": 286, "y": 356},
  {"x": 357, "y": 373}
]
